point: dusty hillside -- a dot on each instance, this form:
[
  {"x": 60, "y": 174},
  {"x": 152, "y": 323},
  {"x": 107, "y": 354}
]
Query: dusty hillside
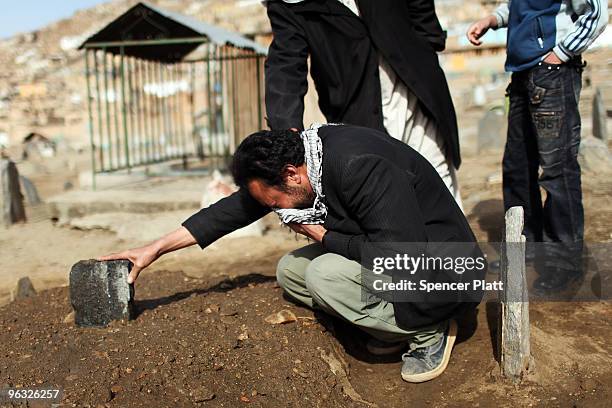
[{"x": 42, "y": 85}]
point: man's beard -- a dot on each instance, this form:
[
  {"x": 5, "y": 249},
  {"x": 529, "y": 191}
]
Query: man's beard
[{"x": 302, "y": 198}]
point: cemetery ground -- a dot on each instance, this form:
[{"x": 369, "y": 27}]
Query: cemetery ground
[{"x": 200, "y": 337}]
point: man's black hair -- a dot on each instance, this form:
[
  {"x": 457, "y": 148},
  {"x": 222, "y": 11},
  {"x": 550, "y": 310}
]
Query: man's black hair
[{"x": 264, "y": 155}]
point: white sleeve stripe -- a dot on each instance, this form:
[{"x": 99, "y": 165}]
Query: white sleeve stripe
[
  {"x": 587, "y": 28},
  {"x": 582, "y": 25},
  {"x": 587, "y": 38}
]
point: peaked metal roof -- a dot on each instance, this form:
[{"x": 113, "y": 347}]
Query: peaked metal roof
[{"x": 152, "y": 33}]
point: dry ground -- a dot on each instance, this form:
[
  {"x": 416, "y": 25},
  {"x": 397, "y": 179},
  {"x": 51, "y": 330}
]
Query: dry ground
[{"x": 200, "y": 338}]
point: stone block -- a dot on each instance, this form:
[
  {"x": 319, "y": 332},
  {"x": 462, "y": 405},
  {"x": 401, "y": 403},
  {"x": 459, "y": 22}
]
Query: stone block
[
  {"x": 594, "y": 156},
  {"x": 492, "y": 130},
  {"x": 24, "y": 288},
  {"x": 100, "y": 293},
  {"x": 600, "y": 117},
  {"x": 11, "y": 199}
]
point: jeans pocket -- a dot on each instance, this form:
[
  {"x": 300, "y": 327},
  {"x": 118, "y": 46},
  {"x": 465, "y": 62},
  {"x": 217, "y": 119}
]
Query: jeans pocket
[
  {"x": 546, "y": 110},
  {"x": 547, "y": 123},
  {"x": 536, "y": 95},
  {"x": 548, "y": 76}
]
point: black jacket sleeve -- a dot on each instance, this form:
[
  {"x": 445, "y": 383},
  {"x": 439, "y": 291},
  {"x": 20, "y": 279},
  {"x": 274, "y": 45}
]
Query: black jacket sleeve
[
  {"x": 286, "y": 70},
  {"x": 425, "y": 21},
  {"x": 381, "y": 198},
  {"x": 226, "y": 215}
]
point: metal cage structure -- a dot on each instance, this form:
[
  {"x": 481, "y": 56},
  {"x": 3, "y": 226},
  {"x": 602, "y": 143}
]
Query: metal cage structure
[{"x": 162, "y": 86}]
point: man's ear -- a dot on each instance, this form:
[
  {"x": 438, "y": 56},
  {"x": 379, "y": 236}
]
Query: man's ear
[{"x": 291, "y": 175}]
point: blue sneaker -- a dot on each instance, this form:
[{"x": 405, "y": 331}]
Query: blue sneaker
[{"x": 427, "y": 363}]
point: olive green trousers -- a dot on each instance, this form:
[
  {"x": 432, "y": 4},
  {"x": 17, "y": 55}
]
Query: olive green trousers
[{"x": 332, "y": 283}]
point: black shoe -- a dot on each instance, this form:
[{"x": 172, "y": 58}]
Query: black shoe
[
  {"x": 383, "y": 348},
  {"x": 556, "y": 281},
  {"x": 495, "y": 266}
]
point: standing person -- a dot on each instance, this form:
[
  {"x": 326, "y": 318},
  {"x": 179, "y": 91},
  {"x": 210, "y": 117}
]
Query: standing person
[
  {"x": 374, "y": 64},
  {"x": 544, "y": 46}
]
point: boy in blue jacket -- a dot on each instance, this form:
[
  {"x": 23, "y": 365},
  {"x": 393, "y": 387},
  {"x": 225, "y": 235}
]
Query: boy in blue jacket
[{"x": 545, "y": 41}]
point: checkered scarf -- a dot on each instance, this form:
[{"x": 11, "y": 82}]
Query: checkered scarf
[{"x": 313, "y": 152}]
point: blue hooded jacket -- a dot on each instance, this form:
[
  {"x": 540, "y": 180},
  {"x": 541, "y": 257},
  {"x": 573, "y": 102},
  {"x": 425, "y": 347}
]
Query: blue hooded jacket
[{"x": 537, "y": 27}]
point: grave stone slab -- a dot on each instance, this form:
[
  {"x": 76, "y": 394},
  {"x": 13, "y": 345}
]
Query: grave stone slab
[{"x": 100, "y": 293}]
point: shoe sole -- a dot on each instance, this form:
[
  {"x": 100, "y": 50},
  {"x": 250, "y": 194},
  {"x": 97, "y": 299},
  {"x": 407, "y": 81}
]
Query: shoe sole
[
  {"x": 383, "y": 351},
  {"x": 430, "y": 375}
]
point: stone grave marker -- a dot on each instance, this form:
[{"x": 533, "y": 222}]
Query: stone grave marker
[
  {"x": 492, "y": 130},
  {"x": 600, "y": 117},
  {"x": 11, "y": 199},
  {"x": 100, "y": 293},
  {"x": 513, "y": 340}
]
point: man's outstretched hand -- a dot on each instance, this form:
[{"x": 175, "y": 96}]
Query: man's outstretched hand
[
  {"x": 312, "y": 231},
  {"x": 146, "y": 255},
  {"x": 140, "y": 257}
]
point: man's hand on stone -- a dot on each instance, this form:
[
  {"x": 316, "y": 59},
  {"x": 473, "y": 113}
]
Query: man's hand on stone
[
  {"x": 146, "y": 255},
  {"x": 312, "y": 231},
  {"x": 140, "y": 257}
]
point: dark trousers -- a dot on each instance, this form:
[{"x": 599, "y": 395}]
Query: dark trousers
[{"x": 542, "y": 153}]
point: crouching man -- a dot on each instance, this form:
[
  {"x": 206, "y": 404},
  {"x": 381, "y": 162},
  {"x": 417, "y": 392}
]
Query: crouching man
[{"x": 344, "y": 187}]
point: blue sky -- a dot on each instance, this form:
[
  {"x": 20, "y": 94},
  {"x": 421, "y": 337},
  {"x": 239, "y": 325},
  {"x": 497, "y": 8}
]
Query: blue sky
[{"x": 19, "y": 16}]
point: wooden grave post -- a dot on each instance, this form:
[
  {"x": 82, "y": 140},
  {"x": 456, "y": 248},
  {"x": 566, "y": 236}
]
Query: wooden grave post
[{"x": 513, "y": 337}]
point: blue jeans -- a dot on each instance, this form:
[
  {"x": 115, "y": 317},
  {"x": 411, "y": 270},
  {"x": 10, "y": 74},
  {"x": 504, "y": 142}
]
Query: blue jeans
[{"x": 544, "y": 133}]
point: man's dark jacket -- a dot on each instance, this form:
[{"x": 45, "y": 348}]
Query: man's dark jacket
[
  {"x": 344, "y": 49},
  {"x": 377, "y": 189}
]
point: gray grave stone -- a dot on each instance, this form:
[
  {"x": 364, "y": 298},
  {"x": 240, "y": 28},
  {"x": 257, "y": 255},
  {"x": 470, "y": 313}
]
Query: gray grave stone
[
  {"x": 24, "y": 288},
  {"x": 30, "y": 190},
  {"x": 513, "y": 340},
  {"x": 492, "y": 130},
  {"x": 11, "y": 199},
  {"x": 100, "y": 293},
  {"x": 594, "y": 156},
  {"x": 600, "y": 117}
]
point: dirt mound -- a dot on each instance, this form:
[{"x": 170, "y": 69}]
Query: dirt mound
[
  {"x": 197, "y": 343},
  {"x": 189, "y": 345}
]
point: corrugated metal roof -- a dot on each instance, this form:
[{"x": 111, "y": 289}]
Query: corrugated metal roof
[
  {"x": 146, "y": 22},
  {"x": 216, "y": 34}
]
